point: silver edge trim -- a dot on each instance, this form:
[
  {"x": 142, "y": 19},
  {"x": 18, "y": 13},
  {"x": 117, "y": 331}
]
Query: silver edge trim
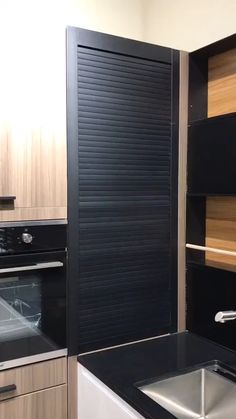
[
  {"x": 31, "y": 223},
  {"x": 124, "y": 344},
  {"x": 33, "y": 359},
  {"x": 45, "y": 265}
]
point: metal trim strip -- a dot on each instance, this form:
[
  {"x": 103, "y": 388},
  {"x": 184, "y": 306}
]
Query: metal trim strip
[
  {"x": 31, "y": 223},
  {"x": 33, "y": 359}
]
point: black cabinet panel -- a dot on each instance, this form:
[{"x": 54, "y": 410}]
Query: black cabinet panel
[
  {"x": 211, "y": 156},
  {"x": 121, "y": 201},
  {"x": 210, "y": 290}
]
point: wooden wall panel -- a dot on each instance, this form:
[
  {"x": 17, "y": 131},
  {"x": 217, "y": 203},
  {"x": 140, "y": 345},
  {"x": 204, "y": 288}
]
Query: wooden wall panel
[
  {"x": 222, "y": 83},
  {"x": 33, "y": 168},
  {"x": 221, "y": 227},
  {"x": 37, "y": 213}
]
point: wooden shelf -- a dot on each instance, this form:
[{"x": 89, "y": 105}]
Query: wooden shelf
[{"x": 222, "y": 83}]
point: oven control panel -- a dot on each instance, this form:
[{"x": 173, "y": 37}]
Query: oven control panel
[{"x": 36, "y": 238}]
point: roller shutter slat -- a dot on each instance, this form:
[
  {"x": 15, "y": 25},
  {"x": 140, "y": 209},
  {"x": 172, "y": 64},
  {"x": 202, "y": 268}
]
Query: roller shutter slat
[{"x": 124, "y": 125}]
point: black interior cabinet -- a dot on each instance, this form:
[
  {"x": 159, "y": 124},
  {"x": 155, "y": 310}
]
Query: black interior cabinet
[
  {"x": 122, "y": 129},
  {"x": 211, "y": 156},
  {"x": 210, "y": 290}
]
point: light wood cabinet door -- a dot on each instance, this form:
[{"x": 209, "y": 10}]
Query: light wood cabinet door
[
  {"x": 33, "y": 377},
  {"x": 45, "y": 404},
  {"x": 32, "y": 168}
]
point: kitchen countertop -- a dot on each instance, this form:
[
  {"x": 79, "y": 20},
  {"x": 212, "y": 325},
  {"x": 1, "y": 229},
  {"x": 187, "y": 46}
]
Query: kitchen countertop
[{"x": 120, "y": 368}]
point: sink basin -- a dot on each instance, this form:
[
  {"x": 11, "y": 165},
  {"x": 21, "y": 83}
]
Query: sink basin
[{"x": 201, "y": 393}]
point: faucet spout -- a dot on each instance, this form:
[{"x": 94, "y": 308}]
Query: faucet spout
[{"x": 225, "y": 316}]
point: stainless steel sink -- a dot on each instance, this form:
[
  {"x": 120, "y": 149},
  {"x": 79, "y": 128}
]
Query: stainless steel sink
[{"x": 198, "y": 394}]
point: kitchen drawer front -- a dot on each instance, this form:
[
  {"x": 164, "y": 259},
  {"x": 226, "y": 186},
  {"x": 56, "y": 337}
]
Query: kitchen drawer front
[
  {"x": 33, "y": 377},
  {"x": 45, "y": 404}
]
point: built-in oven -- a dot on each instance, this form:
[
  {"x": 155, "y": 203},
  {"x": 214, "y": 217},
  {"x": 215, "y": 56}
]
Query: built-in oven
[{"x": 32, "y": 292}]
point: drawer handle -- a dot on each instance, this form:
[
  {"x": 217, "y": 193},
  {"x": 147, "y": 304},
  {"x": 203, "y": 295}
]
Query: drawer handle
[
  {"x": 8, "y": 198},
  {"x": 6, "y": 389}
]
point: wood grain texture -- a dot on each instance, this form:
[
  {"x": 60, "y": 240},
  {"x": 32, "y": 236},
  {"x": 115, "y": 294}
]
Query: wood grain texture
[
  {"x": 221, "y": 228},
  {"x": 46, "y": 404},
  {"x": 182, "y": 187},
  {"x": 33, "y": 165},
  {"x": 72, "y": 387},
  {"x": 37, "y": 213},
  {"x": 34, "y": 377},
  {"x": 222, "y": 83}
]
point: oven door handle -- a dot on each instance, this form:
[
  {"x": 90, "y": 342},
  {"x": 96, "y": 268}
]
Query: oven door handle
[{"x": 45, "y": 265}]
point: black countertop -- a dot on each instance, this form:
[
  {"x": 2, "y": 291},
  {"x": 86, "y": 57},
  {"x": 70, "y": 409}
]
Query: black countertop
[{"x": 122, "y": 367}]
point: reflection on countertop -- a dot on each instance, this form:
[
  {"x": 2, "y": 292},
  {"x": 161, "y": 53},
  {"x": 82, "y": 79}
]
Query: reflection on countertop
[{"x": 122, "y": 368}]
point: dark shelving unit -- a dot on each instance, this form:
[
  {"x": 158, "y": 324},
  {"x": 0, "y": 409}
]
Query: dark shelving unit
[{"x": 211, "y": 173}]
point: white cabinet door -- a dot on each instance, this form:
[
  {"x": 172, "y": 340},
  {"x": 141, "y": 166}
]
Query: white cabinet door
[{"x": 96, "y": 400}]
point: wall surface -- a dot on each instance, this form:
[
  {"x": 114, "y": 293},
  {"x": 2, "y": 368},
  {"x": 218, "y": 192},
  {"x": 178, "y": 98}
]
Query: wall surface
[
  {"x": 117, "y": 17},
  {"x": 189, "y": 24},
  {"x": 32, "y": 45}
]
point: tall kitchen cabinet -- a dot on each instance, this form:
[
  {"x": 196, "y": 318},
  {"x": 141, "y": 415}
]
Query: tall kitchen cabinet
[
  {"x": 211, "y": 195},
  {"x": 122, "y": 116},
  {"x": 33, "y": 179}
]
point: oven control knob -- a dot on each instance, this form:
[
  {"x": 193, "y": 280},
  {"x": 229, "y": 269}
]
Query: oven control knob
[{"x": 27, "y": 238}]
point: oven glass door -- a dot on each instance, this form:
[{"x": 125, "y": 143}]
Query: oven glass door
[{"x": 33, "y": 300}]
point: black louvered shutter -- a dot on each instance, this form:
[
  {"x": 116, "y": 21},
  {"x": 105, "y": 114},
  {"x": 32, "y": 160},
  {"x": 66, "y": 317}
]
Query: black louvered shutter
[{"x": 120, "y": 193}]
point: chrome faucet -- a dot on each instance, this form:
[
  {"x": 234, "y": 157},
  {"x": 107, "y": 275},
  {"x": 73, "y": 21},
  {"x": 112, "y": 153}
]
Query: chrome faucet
[{"x": 225, "y": 316}]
